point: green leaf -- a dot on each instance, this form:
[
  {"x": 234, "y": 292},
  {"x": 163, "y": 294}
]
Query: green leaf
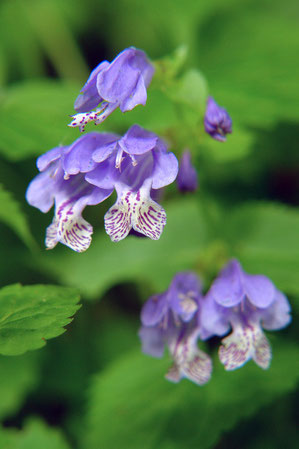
[
  {"x": 35, "y": 435},
  {"x": 237, "y": 146},
  {"x": 135, "y": 405},
  {"x": 13, "y": 386},
  {"x": 266, "y": 241},
  {"x": 12, "y": 215},
  {"x": 31, "y": 315},
  {"x": 34, "y": 117},
  {"x": 106, "y": 263},
  {"x": 253, "y": 72}
]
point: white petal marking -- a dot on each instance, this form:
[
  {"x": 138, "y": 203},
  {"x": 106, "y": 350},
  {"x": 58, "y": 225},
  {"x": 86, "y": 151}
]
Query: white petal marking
[
  {"x": 190, "y": 362},
  {"x": 70, "y": 229},
  {"x": 243, "y": 344},
  {"x": 135, "y": 211}
]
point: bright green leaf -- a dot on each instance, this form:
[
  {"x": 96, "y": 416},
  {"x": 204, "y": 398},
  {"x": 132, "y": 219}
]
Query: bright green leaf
[
  {"x": 12, "y": 215},
  {"x": 132, "y": 403},
  {"x": 31, "y": 315}
]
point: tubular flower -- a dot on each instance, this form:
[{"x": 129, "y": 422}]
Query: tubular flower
[
  {"x": 187, "y": 179},
  {"x": 246, "y": 303},
  {"x": 171, "y": 319},
  {"x": 217, "y": 121},
  {"x": 88, "y": 171},
  {"x": 121, "y": 83}
]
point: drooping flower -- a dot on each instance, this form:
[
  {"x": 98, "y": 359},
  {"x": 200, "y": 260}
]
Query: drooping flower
[
  {"x": 172, "y": 319},
  {"x": 187, "y": 179},
  {"x": 246, "y": 303},
  {"x": 217, "y": 121},
  {"x": 88, "y": 171},
  {"x": 121, "y": 83}
]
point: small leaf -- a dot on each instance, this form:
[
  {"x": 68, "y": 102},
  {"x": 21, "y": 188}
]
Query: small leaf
[
  {"x": 12, "y": 215},
  {"x": 31, "y": 315}
]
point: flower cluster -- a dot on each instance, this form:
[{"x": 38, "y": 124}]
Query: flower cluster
[
  {"x": 172, "y": 319},
  {"x": 88, "y": 171},
  {"x": 236, "y": 300}
]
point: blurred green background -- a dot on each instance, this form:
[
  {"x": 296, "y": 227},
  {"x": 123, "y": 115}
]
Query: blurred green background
[{"x": 91, "y": 387}]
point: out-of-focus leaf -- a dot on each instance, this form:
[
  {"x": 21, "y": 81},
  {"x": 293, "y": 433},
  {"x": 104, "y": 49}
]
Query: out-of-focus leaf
[
  {"x": 106, "y": 263},
  {"x": 34, "y": 118},
  {"x": 35, "y": 435},
  {"x": 190, "y": 90},
  {"x": 236, "y": 146},
  {"x": 132, "y": 403},
  {"x": 12, "y": 215},
  {"x": 31, "y": 315},
  {"x": 266, "y": 241},
  {"x": 18, "y": 376},
  {"x": 169, "y": 66},
  {"x": 247, "y": 52}
]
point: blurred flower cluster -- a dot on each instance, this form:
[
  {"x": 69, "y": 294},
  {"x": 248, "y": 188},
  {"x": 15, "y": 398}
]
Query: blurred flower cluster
[{"x": 236, "y": 301}]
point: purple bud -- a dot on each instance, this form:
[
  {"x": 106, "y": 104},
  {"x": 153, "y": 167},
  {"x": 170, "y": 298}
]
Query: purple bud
[
  {"x": 217, "y": 121},
  {"x": 187, "y": 179}
]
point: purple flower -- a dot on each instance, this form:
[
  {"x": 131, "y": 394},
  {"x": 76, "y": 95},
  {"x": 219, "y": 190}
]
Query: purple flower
[
  {"x": 121, "y": 83},
  {"x": 247, "y": 303},
  {"x": 217, "y": 121},
  {"x": 187, "y": 177},
  {"x": 171, "y": 319},
  {"x": 87, "y": 172}
]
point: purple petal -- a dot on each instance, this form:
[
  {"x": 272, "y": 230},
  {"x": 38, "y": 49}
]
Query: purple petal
[
  {"x": 277, "y": 315},
  {"x": 165, "y": 169},
  {"x": 117, "y": 81},
  {"x": 90, "y": 98},
  {"x": 46, "y": 159},
  {"x": 41, "y": 190},
  {"x": 152, "y": 341},
  {"x": 227, "y": 290},
  {"x": 138, "y": 141},
  {"x": 102, "y": 153},
  {"x": 259, "y": 290},
  {"x": 187, "y": 177},
  {"x": 138, "y": 96},
  {"x": 79, "y": 155},
  {"x": 184, "y": 293},
  {"x": 154, "y": 310},
  {"x": 102, "y": 175},
  {"x": 214, "y": 319}
]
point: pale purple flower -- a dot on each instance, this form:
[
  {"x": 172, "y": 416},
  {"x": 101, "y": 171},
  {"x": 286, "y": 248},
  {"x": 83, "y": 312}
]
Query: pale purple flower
[
  {"x": 88, "y": 171},
  {"x": 217, "y": 121},
  {"x": 246, "y": 303},
  {"x": 171, "y": 319},
  {"x": 187, "y": 179},
  {"x": 121, "y": 83}
]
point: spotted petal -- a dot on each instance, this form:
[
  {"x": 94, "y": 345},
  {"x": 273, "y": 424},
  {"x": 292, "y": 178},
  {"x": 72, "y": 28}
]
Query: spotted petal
[
  {"x": 190, "y": 362},
  {"x": 243, "y": 344},
  {"x": 135, "y": 210}
]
